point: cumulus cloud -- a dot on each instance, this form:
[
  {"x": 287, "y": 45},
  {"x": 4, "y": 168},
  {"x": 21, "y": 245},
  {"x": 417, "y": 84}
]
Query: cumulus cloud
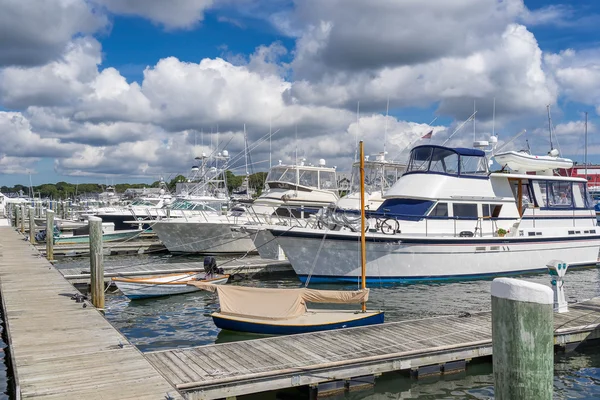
[
  {"x": 59, "y": 82},
  {"x": 36, "y": 32},
  {"x": 172, "y": 15},
  {"x": 18, "y": 139}
]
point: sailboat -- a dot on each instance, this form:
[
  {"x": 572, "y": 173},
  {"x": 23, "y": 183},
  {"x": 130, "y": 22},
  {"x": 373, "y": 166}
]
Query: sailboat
[{"x": 284, "y": 311}]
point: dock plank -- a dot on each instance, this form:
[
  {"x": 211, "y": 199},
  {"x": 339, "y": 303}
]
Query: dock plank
[
  {"x": 286, "y": 361},
  {"x": 60, "y": 349}
]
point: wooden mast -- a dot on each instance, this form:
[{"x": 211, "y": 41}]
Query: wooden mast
[{"x": 363, "y": 250}]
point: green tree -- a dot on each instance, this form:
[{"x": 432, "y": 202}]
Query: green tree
[
  {"x": 233, "y": 181},
  {"x": 173, "y": 182}
]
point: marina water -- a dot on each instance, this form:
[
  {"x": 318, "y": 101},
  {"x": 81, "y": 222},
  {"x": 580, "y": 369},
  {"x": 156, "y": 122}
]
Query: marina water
[{"x": 184, "y": 321}]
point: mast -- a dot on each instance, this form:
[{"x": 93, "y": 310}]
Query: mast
[
  {"x": 586, "y": 144},
  {"x": 494, "y": 118},
  {"x": 246, "y": 156},
  {"x": 270, "y": 135},
  {"x": 363, "y": 250}
]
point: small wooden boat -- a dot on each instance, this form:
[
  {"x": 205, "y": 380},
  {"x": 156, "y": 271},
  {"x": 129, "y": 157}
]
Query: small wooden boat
[{"x": 166, "y": 285}]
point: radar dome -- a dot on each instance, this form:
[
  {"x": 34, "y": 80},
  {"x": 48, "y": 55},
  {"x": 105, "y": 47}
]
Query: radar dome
[{"x": 322, "y": 162}]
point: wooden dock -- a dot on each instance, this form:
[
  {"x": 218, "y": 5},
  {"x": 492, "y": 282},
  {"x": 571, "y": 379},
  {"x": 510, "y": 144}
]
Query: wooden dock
[
  {"x": 62, "y": 349},
  {"x": 144, "y": 246},
  {"x": 426, "y": 346},
  {"x": 253, "y": 265}
]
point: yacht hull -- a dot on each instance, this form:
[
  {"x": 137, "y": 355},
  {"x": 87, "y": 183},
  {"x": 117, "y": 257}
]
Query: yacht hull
[
  {"x": 202, "y": 237},
  {"x": 407, "y": 260}
]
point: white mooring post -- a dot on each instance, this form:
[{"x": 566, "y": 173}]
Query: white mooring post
[
  {"x": 522, "y": 339},
  {"x": 96, "y": 262},
  {"x": 557, "y": 270}
]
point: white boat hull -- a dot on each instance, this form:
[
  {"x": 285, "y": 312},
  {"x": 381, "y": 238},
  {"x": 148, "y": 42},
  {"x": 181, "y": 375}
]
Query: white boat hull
[
  {"x": 164, "y": 285},
  {"x": 202, "y": 237},
  {"x": 426, "y": 259}
]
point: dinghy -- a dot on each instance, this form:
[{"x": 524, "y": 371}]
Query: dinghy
[
  {"x": 165, "y": 285},
  {"x": 276, "y": 311},
  {"x": 524, "y": 162},
  {"x": 170, "y": 284}
]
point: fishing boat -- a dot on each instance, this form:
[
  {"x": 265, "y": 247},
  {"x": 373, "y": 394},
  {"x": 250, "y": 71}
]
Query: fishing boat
[
  {"x": 294, "y": 193},
  {"x": 165, "y": 285},
  {"x": 284, "y": 311},
  {"x": 449, "y": 217}
]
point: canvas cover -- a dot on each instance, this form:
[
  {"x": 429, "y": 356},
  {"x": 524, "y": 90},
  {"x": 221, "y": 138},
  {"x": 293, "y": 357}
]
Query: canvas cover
[{"x": 268, "y": 303}]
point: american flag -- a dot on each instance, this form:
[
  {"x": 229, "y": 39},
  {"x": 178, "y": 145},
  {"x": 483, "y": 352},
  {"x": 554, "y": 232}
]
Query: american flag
[{"x": 427, "y": 135}]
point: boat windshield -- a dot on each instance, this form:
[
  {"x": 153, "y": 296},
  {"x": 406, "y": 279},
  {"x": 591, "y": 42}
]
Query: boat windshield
[
  {"x": 145, "y": 202},
  {"x": 378, "y": 176},
  {"x": 443, "y": 160},
  {"x": 182, "y": 204},
  {"x": 282, "y": 174}
]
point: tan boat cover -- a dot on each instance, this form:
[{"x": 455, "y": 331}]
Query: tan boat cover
[{"x": 270, "y": 303}]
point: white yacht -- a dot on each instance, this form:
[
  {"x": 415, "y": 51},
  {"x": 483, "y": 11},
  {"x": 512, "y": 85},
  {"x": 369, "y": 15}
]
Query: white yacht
[
  {"x": 449, "y": 217},
  {"x": 294, "y": 192}
]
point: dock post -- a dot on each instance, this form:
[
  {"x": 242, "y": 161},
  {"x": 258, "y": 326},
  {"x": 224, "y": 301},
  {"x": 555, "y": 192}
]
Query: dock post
[
  {"x": 17, "y": 216},
  {"x": 96, "y": 262},
  {"x": 522, "y": 339},
  {"x": 50, "y": 235},
  {"x": 31, "y": 225},
  {"x": 23, "y": 218}
]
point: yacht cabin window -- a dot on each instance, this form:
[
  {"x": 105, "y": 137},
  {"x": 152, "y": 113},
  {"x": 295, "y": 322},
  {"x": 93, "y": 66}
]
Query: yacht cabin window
[
  {"x": 463, "y": 210},
  {"x": 440, "y": 210},
  {"x": 559, "y": 194},
  {"x": 471, "y": 165},
  {"x": 491, "y": 210},
  {"x": 579, "y": 195}
]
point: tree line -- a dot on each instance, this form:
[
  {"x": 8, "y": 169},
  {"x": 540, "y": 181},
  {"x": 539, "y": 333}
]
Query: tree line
[{"x": 65, "y": 190}]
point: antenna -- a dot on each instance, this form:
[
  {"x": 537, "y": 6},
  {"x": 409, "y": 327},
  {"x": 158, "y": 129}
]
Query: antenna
[
  {"x": 460, "y": 127},
  {"x": 357, "y": 129},
  {"x": 270, "y": 134},
  {"x": 474, "y": 111},
  {"x": 586, "y": 145},
  {"x": 494, "y": 118},
  {"x": 550, "y": 126},
  {"x": 296, "y": 150},
  {"x": 387, "y": 111}
]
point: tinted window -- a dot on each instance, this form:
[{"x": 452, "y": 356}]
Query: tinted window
[
  {"x": 465, "y": 210},
  {"x": 440, "y": 210}
]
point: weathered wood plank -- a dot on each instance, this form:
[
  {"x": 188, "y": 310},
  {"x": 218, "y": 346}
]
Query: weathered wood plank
[{"x": 62, "y": 350}]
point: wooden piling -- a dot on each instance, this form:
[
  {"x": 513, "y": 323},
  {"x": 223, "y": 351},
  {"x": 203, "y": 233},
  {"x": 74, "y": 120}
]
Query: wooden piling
[
  {"x": 50, "y": 235},
  {"x": 32, "y": 225},
  {"x": 523, "y": 340},
  {"x": 23, "y": 218},
  {"x": 17, "y": 217},
  {"x": 96, "y": 262}
]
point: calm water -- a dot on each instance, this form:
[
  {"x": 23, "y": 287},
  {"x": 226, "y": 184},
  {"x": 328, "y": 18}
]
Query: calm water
[{"x": 183, "y": 321}]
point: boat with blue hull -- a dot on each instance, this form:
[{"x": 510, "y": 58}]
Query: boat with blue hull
[
  {"x": 329, "y": 319},
  {"x": 449, "y": 218}
]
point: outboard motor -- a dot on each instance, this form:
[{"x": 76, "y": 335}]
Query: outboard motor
[{"x": 210, "y": 266}]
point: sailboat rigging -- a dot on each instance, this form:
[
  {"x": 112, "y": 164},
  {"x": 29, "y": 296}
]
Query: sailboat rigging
[{"x": 284, "y": 311}]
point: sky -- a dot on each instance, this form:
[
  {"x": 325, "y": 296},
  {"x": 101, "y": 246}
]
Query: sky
[{"x": 114, "y": 91}]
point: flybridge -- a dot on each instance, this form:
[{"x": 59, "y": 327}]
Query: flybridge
[{"x": 435, "y": 159}]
